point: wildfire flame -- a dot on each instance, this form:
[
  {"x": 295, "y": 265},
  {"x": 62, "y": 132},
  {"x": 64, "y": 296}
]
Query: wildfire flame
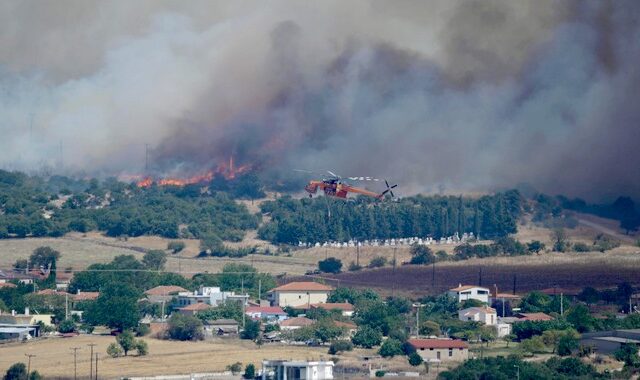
[{"x": 226, "y": 170}]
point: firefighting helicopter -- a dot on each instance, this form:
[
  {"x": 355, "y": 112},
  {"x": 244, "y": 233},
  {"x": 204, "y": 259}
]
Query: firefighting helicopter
[{"x": 335, "y": 186}]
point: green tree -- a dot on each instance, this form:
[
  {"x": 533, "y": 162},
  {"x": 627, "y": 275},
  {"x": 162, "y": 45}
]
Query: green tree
[
  {"x": 126, "y": 341},
  {"x": 251, "y": 330},
  {"x": 155, "y": 259},
  {"x": 390, "y": 348},
  {"x": 17, "y": 371},
  {"x": 185, "y": 327},
  {"x": 116, "y": 307},
  {"x": 339, "y": 346},
  {"x": 114, "y": 350},
  {"x": 43, "y": 257},
  {"x": 430, "y": 328},
  {"x": 67, "y": 326},
  {"x": 535, "y": 246},
  {"x": 421, "y": 255},
  {"x": 330, "y": 265},
  {"x": 532, "y": 345},
  {"x": 415, "y": 359},
  {"x": 367, "y": 337},
  {"x": 580, "y": 317},
  {"x": 567, "y": 344},
  {"x": 249, "y": 371}
]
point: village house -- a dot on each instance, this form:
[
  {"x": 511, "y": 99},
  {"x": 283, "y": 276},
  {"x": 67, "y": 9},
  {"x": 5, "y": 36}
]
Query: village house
[
  {"x": 268, "y": 313},
  {"x": 194, "y": 308},
  {"x": 345, "y": 307},
  {"x": 299, "y": 294},
  {"x": 210, "y": 295},
  {"x": 290, "y": 370},
  {"x": 469, "y": 292},
  {"x": 295, "y": 323},
  {"x": 9, "y": 276},
  {"x": 484, "y": 314},
  {"x": 221, "y": 327},
  {"x": 434, "y": 350},
  {"x": 163, "y": 293},
  {"x": 535, "y": 317}
]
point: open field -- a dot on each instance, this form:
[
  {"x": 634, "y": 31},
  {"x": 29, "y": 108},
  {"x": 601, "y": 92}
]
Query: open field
[{"x": 54, "y": 357}]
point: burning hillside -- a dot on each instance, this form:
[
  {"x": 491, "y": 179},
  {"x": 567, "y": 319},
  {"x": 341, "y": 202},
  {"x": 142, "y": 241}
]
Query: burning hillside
[{"x": 225, "y": 170}]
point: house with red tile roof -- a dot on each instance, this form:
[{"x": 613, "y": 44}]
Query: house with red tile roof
[
  {"x": 431, "y": 350},
  {"x": 346, "y": 308},
  {"x": 163, "y": 293},
  {"x": 534, "y": 317},
  {"x": 194, "y": 308},
  {"x": 296, "y": 294},
  {"x": 296, "y": 323}
]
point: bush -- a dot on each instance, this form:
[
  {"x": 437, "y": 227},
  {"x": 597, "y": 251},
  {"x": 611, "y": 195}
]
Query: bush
[
  {"x": 421, "y": 254},
  {"x": 581, "y": 247},
  {"x": 330, "y": 265},
  {"x": 380, "y": 373},
  {"x": 184, "y": 327},
  {"x": 142, "y": 347},
  {"x": 67, "y": 326},
  {"x": 415, "y": 359},
  {"x": 17, "y": 371},
  {"x": 249, "y": 371},
  {"x": 390, "y": 348},
  {"x": 235, "y": 368},
  {"x": 377, "y": 262},
  {"x": 114, "y": 350},
  {"x": 251, "y": 330},
  {"x": 353, "y": 267},
  {"x": 176, "y": 246},
  {"x": 142, "y": 330},
  {"x": 340, "y": 346}
]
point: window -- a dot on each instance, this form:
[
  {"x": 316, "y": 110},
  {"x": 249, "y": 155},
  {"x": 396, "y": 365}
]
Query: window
[
  {"x": 438, "y": 355},
  {"x": 450, "y": 352}
]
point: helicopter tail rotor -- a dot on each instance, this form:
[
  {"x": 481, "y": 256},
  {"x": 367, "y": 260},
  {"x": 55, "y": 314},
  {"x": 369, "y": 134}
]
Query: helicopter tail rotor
[{"x": 389, "y": 189}]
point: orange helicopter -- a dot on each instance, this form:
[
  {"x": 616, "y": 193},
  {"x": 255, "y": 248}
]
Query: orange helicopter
[{"x": 334, "y": 186}]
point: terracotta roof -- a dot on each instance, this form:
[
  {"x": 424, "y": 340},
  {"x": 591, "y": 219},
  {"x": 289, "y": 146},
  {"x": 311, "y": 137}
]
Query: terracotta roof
[
  {"x": 196, "y": 307},
  {"x": 51, "y": 292},
  {"x": 437, "y": 343},
  {"x": 303, "y": 286},
  {"x": 265, "y": 310},
  {"x": 462, "y": 288},
  {"x": 298, "y": 321},
  {"x": 534, "y": 317},
  {"x": 344, "y": 306},
  {"x": 164, "y": 290},
  {"x": 476, "y": 310},
  {"x": 86, "y": 296},
  {"x": 347, "y": 325},
  {"x": 7, "y": 285}
]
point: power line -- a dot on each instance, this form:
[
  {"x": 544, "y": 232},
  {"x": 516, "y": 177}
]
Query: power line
[{"x": 75, "y": 362}]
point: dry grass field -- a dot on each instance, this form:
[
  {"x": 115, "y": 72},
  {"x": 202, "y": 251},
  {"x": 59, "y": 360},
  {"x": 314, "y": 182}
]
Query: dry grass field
[{"x": 54, "y": 356}]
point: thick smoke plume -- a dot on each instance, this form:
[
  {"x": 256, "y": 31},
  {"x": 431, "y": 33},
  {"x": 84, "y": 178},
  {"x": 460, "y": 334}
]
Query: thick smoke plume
[{"x": 469, "y": 95}]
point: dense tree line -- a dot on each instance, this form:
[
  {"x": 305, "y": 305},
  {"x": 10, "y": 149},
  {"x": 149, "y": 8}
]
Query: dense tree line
[
  {"x": 327, "y": 219},
  {"x": 34, "y": 206}
]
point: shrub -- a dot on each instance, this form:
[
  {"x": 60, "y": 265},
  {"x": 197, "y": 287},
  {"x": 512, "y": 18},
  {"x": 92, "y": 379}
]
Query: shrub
[
  {"x": 330, "y": 265},
  {"x": 377, "y": 262},
  {"x": 390, "y": 348},
  {"x": 142, "y": 347},
  {"x": 415, "y": 359},
  {"x": 235, "y": 368},
  {"x": 114, "y": 350},
  {"x": 67, "y": 326},
  {"x": 380, "y": 373},
  {"x": 340, "y": 346},
  {"x": 353, "y": 267},
  {"x": 249, "y": 371},
  {"x": 176, "y": 246},
  {"x": 581, "y": 247},
  {"x": 184, "y": 327},
  {"x": 421, "y": 255},
  {"x": 142, "y": 330}
]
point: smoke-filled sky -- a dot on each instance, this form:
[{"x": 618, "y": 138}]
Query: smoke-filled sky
[{"x": 469, "y": 95}]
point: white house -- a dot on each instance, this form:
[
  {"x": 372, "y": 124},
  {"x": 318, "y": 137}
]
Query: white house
[
  {"x": 470, "y": 292},
  {"x": 299, "y": 294},
  {"x": 210, "y": 295},
  {"x": 290, "y": 370},
  {"x": 484, "y": 314},
  {"x": 270, "y": 313}
]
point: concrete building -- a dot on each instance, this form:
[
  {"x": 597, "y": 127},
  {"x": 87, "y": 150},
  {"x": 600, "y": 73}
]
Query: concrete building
[
  {"x": 210, "y": 295},
  {"x": 470, "y": 292},
  {"x": 299, "y": 294},
  {"x": 485, "y": 315},
  {"x": 290, "y": 370},
  {"x": 434, "y": 350},
  {"x": 26, "y": 319}
]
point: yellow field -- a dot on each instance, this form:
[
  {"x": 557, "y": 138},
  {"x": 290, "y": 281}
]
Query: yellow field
[{"x": 54, "y": 356}]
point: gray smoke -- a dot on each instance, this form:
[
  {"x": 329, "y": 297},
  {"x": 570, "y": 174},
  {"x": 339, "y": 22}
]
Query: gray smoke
[{"x": 469, "y": 95}]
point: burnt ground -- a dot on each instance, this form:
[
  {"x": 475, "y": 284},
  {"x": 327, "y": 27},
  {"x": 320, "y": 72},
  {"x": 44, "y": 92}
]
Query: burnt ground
[{"x": 421, "y": 280}]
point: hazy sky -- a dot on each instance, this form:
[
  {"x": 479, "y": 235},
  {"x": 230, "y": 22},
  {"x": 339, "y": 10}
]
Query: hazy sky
[{"x": 469, "y": 95}]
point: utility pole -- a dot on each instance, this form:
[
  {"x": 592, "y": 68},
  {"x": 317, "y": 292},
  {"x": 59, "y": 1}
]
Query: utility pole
[
  {"x": 29, "y": 365},
  {"x": 91, "y": 360},
  {"x": 561, "y": 304},
  {"x": 75, "y": 362},
  {"x": 96, "y": 366}
]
